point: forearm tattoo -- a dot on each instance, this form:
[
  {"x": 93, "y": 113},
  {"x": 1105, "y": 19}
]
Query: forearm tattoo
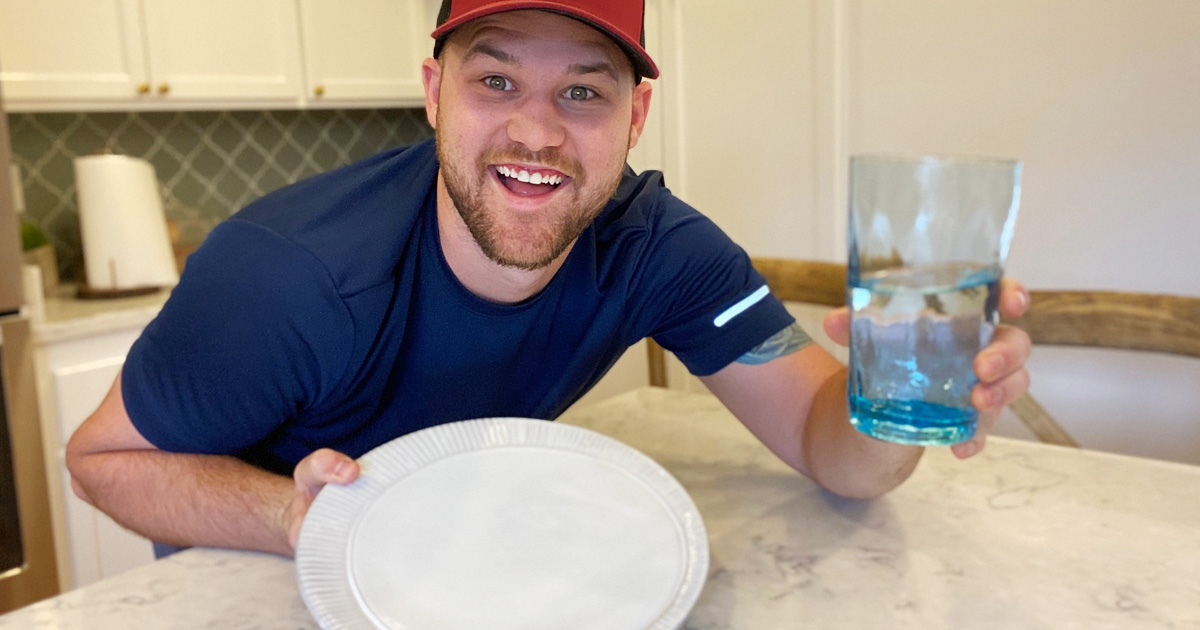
[{"x": 782, "y": 343}]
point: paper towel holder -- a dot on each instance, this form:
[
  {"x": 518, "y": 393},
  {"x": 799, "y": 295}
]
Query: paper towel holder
[{"x": 126, "y": 244}]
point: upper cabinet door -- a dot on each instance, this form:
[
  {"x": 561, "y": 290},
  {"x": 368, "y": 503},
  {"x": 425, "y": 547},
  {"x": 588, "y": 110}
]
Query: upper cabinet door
[
  {"x": 225, "y": 50},
  {"x": 365, "y": 50},
  {"x": 66, "y": 50}
]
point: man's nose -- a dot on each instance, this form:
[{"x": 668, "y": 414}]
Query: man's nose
[{"x": 537, "y": 125}]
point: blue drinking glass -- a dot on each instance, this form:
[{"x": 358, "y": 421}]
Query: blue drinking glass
[{"x": 929, "y": 236}]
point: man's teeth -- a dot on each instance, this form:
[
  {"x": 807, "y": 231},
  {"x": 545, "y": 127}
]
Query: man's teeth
[{"x": 524, "y": 176}]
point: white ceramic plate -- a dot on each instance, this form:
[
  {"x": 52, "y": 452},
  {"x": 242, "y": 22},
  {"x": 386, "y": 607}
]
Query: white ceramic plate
[{"x": 503, "y": 523}]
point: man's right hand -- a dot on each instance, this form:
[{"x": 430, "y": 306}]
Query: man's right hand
[{"x": 322, "y": 466}]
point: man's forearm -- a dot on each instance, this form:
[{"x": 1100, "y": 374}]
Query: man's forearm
[
  {"x": 845, "y": 460},
  {"x": 181, "y": 499}
]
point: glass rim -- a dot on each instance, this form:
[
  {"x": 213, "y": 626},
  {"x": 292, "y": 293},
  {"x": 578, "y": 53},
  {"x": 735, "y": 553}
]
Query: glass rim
[{"x": 933, "y": 158}]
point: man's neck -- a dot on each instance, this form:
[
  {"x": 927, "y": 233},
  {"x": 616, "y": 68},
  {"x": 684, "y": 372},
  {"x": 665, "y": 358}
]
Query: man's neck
[{"x": 481, "y": 275}]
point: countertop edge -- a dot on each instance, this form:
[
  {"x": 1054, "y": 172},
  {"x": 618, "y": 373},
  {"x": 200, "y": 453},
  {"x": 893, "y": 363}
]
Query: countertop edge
[{"x": 47, "y": 332}]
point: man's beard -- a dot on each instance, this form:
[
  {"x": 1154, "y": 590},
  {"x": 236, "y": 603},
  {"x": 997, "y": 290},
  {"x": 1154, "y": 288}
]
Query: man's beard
[{"x": 533, "y": 242}]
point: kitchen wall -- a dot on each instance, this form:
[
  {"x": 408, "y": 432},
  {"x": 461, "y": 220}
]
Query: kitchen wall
[{"x": 209, "y": 164}]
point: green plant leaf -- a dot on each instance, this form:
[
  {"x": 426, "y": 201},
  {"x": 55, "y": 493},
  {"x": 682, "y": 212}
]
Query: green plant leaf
[{"x": 32, "y": 236}]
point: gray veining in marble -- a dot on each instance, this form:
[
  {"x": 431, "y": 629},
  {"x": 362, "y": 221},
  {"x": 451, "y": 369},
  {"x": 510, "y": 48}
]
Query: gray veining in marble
[
  {"x": 1025, "y": 536},
  {"x": 195, "y": 589}
]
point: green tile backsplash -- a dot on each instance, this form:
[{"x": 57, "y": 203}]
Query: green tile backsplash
[{"x": 209, "y": 164}]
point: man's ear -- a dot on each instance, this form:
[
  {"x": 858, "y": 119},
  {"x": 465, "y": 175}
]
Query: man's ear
[
  {"x": 431, "y": 76},
  {"x": 641, "y": 108}
]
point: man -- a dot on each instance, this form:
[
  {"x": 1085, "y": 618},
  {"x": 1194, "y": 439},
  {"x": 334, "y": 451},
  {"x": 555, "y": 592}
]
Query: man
[{"x": 500, "y": 277}]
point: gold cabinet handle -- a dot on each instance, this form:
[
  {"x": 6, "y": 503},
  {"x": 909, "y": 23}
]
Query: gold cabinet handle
[
  {"x": 319, "y": 90},
  {"x": 163, "y": 88},
  {"x": 143, "y": 88}
]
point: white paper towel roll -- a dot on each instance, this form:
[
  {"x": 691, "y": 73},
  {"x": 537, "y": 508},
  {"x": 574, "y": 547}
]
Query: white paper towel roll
[{"x": 124, "y": 230}]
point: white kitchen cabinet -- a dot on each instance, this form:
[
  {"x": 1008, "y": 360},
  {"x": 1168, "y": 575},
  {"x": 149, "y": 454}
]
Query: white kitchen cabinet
[
  {"x": 359, "y": 51},
  {"x": 77, "y": 361},
  {"x": 152, "y": 54},
  {"x": 99, "y": 548},
  {"x": 223, "y": 50},
  {"x": 119, "y": 55},
  {"x": 66, "y": 50}
]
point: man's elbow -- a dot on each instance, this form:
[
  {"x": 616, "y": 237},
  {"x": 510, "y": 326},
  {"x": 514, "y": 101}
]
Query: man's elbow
[
  {"x": 862, "y": 492},
  {"x": 93, "y": 454},
  {"x": 78, "y": 456},
  {"x": 870, "y": 486},
  {"x": 79, "y": 491}
]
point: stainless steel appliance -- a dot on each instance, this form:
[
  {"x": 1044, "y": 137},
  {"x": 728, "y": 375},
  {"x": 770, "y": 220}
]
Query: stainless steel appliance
[{"x": 27, "y": 564}]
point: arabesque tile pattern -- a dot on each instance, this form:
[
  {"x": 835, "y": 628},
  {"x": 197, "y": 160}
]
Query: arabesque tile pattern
[{"x": 209, "y": 164}]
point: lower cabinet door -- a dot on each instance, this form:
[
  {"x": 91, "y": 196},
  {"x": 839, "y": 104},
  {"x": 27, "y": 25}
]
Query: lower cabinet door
[{"x": 99, "y": 547}]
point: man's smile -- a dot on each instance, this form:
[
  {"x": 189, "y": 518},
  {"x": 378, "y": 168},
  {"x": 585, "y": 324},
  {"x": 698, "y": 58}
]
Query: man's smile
[{"x": 527, "y": 181}]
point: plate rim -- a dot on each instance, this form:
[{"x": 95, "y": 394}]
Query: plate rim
[{"x": 321, "y": 555}]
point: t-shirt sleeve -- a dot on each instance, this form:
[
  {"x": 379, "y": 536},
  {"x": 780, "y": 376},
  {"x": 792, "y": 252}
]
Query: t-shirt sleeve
[
  {"x": 705, "y": 302},
  {"x": 254, "y": 333}
]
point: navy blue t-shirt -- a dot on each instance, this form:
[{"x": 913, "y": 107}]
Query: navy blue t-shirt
[{"x": 325, "y": 315}]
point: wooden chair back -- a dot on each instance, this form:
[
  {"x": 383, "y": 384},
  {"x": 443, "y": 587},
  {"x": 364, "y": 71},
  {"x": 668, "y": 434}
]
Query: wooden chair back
[
  {"x": 1107, "y": 319},
  {"x": 806, "y": 281}
]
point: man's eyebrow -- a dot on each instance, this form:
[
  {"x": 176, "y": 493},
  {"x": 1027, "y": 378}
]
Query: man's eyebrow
[
  {"x": 589, "y": 68},
  {"x": 481, "y": 48}
]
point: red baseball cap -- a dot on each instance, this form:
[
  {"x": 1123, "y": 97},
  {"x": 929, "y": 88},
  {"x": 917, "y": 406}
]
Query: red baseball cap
[{"x": 622, "y": 20}]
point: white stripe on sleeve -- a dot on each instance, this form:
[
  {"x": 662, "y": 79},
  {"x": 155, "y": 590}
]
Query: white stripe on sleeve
[{"x": 737, "y": 309}]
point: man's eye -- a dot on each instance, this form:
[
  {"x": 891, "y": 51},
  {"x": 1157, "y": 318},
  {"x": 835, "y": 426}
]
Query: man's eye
[
  {"x": 580, "y": 93},
  {"x": 497, "y": 82}
]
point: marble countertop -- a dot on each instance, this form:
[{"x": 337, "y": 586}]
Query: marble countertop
[
  {"x": 1024, "y": 536},
  {"x": 62, "y": 316}
]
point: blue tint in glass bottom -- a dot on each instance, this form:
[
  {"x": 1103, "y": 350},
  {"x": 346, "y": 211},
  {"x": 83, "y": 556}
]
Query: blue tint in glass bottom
[{"x": 912, "y": 421}]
